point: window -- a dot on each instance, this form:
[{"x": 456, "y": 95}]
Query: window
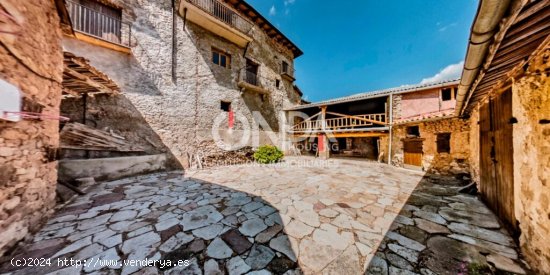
[
  {"x": 443, "y": 143},
  {"x": 284, "y": 67},
  {"x": 225, "y": 106},
  {"x": 277, "y": 83},
  {"x": 413, "y": 131},
  {"x": 446, "y": 94},
  {"x": 220, "y": 58}
]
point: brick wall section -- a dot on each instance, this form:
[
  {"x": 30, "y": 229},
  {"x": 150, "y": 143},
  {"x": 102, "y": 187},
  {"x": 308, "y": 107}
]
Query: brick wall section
[
  {"x": 27, "y": 179},
  {"x": 531, "y": 106},
  {"x": 182, "y": 112},
  {"x": 455, "y": 162}
]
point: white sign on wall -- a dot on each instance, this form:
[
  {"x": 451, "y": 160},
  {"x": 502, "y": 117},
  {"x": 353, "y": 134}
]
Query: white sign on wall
[{"x": 10, "y": 102}]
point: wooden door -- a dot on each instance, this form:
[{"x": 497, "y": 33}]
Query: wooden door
[
  {"x": 412, "y": 152},
  {"x": 496, "y": 157}
]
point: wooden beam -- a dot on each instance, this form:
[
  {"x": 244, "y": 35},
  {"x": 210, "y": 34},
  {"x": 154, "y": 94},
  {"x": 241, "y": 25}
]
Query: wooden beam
[
  {"x": 363, "y": 134},
  {"x": 342, "y": 135},
  {"x": 86, "y": 80}
]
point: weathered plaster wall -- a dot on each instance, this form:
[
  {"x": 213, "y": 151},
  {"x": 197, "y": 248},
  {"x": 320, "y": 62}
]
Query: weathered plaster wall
[
  {"x": 531, "y": 108},
  {"x": 423, "y": 102},
  {"x": 455, "y": 162},
  {"x": 33, "y": 62},
  {"x": 181, "y": 111}
]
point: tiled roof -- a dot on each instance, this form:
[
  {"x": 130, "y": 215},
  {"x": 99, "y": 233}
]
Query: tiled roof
[{"x": 378, "y": 93}]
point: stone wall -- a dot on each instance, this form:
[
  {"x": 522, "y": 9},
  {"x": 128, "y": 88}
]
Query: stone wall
[
  {"x": 384, "y": 148},
  {"x": 33, "y": 62},
  {"x": 113, "y": 114},
  {"x": 474, "y": 146},
  {"x": 367, "y": 147},
  {"x": 182, "y": 110},
  {"x": 455, "y": 162},
  {"x": 531, "y": 108}
]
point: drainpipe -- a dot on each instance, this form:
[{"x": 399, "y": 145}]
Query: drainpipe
[
  {"x": 174, "y": 42},
  {"x": 184, "y": 18},
  {"x": 391, "y": 130},
  {"x": 486, "y": 23}
]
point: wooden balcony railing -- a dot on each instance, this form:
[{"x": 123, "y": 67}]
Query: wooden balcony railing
[
  {"x": 342, "y": 122},
  {"x": 223, "y": 13},
  {"x": 287, "y": 71},
  {"x": 99, "y": 25}
]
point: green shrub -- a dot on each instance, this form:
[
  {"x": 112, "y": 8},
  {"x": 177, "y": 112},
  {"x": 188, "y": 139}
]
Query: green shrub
[
  {"x": 268, "y": 154},
  {"x": 479, "y": 269}
]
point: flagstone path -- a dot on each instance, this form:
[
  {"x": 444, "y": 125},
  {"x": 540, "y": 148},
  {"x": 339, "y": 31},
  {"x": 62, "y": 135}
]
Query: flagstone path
[{"x": 349, "y": 217}]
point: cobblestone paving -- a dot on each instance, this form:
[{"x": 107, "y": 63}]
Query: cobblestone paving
[{"x": 342, "y": 219}]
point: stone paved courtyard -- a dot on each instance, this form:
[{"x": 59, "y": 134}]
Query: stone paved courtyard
[{"x": 351, "y": 217}]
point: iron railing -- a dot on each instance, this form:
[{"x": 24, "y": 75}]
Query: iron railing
[
  {"x": 99, "y": 25},
  {"x": 225, "y": 14},
  {"x": 287, "y": 70},
  {"x": 250, "y": 78}
]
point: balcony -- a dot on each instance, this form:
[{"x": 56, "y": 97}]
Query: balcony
[
  {"x": 250, "y": 81},
  {"x": 339, "y": 123},
  {"x": 218, "y": 18},
  {"x": 98, "y": 28},
  {"x": 287, "y": 73}
]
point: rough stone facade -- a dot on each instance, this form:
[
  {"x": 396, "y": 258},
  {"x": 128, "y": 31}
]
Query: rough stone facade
[
  {"x": 531, "y": 108},
  {"x": 33, "y": 62},
  {"x": 182, "y": 110},
  {"x": 531, "y": 158},
  {"x": 427, "y": 110},
  {"x": 474, "y": 146},
  {"x": 453, "y": 163}
]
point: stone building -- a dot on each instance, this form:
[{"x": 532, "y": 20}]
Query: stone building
[
  {"x": 426, "y": 134},
  {"x": 184, "y": 68},
  {"x": 505, "y": 93},
  {"x": 418, "y": 119},
  {"x": 31, "y": 67}
]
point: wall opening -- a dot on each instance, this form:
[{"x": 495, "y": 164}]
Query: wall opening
[
  {"x": 225, "y": 106},
  {"x": 444, "y": 142},
  {"x": 413, "y": 131},
  {"x": 446, "y": 94}
]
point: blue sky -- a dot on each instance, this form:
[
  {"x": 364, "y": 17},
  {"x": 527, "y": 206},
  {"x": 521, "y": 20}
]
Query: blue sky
[{"x": 353, "y": 46}]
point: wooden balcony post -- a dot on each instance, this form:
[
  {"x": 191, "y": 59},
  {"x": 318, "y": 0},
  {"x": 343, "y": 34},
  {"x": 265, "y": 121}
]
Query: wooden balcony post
[{"x": 323, "y": 118}]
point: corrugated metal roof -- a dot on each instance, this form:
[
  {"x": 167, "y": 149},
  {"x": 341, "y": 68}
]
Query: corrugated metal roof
[{"x": 378, "y": 93}]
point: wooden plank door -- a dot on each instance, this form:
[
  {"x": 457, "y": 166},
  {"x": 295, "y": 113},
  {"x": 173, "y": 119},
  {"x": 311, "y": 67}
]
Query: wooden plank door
[
  {"x": 412, "y": 152},
  {"x": 496, "y": 157}
]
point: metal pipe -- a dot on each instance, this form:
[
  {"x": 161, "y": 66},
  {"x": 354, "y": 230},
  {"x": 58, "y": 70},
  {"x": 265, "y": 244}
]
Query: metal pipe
[
  {"x": 174, "y": 42},
  {"x": 391, "y": 126},
  {"x": 485, "y": 25}
]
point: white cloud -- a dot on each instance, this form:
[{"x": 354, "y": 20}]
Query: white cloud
[
  {"x": 272, "y": 11},
  {"x": 444, "y": 28},
  {"x": 450, "y": 72},
  {"x": 289, "y": 2}
]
